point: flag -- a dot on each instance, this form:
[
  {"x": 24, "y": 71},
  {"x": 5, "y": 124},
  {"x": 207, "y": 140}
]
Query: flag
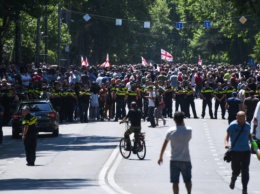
[
  {"x": 199, "y": 61},
  {"x": 166, "y": 56},
  {"x": 106, "y": 63},
  {"x": 144, "y": 62},
  {"x": 82, "y": 62},
  {"x": 86, "y": 62}
]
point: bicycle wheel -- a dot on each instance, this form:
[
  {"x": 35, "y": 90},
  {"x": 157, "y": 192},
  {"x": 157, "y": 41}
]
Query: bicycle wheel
[
  {"x": 122, "y": 146},
  {"x": 141, "y": 150}
]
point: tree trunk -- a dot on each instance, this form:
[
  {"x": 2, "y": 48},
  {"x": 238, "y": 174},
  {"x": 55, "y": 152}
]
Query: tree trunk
[{"x": 18, "y": 49}]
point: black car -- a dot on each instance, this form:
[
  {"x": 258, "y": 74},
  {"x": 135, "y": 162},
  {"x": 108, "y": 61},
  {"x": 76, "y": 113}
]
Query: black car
[{"x": 47, "y": 117}]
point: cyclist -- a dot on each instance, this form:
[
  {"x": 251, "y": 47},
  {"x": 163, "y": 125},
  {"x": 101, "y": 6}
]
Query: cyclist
[{"x": 134, "y": 115}]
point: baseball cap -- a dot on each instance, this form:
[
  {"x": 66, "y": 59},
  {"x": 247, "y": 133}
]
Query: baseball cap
[{"x": 234, "y": 93}]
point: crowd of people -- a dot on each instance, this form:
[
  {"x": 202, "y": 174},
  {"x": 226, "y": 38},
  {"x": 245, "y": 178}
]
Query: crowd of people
[{"x": 96, "y": 93}]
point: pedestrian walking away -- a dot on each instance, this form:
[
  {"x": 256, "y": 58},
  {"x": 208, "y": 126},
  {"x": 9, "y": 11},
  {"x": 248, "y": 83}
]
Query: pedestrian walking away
[
  {"x": 29, "y": 135},
  {"x": 233, "y": 105},
  {"x": 239, "y": 132},
  {"x": 179, "y": 137}
]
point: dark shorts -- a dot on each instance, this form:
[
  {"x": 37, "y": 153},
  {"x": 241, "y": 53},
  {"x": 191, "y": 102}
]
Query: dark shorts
[{"x": 177, "y": 167}]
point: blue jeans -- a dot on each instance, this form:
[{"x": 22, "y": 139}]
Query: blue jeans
[{"x": 198, "y": 91}]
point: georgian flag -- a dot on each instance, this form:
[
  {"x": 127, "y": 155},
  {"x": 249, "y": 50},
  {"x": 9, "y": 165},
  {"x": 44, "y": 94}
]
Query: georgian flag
[
  {"x": 106, "y": 63},
  {"x": 166, "y": 56},
  {"x": 144, "y": 62},
  {"x": 83, "y": 63}
]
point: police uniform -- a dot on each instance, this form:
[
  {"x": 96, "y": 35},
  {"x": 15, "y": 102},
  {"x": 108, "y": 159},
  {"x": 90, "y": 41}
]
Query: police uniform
[
  {"x": 180, "y": 94},
  {"x": 190, "y": 102},
  {"x": 220, "y": 95},
  {"x": 83, "y": 100},
  {"x": 30, "y": 138},
  {"x": 120, "y": 102},
  {"x": 229, "y": 90},
  {"x": 56, "y": 101},
  {"x": 168, "y": 95},
  {"x": 207, "y": 94},
  {"x": 131, "y": 95}
]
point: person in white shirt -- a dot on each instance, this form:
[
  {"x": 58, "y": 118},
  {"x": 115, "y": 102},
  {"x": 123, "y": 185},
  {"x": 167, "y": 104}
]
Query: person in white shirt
[
  {"x": 179, "y": 138},
  {"x": 100, "y": 78},
  {"x": 151, "y": 98}
]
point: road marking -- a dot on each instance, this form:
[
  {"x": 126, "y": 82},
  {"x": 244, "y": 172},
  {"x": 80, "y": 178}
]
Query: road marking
[
  {"x": 111, "y": 174},
  {"x": 103, "y": 173}
]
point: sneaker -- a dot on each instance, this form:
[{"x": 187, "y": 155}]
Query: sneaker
[{"x": 232, "y": 184}]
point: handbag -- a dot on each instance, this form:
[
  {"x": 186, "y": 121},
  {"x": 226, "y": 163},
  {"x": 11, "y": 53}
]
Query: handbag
[{"x": 228, "y": 155}]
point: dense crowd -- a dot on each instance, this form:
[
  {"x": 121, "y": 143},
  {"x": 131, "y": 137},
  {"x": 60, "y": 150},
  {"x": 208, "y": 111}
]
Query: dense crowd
[{"x": 97, "y": 93}]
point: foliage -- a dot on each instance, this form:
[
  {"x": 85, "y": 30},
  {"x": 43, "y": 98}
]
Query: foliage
[{"x": 226, "y": 41}]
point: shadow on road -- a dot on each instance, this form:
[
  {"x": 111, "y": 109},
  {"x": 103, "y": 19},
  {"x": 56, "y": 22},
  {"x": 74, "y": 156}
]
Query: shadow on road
[
  {"x": 68, "y": 142},
  {"x": 38, "y": 184}
]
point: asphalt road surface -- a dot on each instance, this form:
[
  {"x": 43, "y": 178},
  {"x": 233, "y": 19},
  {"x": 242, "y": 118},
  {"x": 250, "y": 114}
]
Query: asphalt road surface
[{"x": 85, "y": 159}]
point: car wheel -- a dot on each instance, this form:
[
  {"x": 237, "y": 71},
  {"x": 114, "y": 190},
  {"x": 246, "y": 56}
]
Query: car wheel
[
  {"x": 55, "y": 133},
  {"x": 15, "y": 135}
]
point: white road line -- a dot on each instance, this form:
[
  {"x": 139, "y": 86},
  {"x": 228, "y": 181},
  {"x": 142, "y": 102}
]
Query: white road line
[
  {"x": 103, "y": 173},
  {"x": 111, "y": 173}
]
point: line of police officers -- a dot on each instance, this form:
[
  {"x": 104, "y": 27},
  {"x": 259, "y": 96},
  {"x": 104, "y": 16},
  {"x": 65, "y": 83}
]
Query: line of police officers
[{"x": 73, "y": 100}]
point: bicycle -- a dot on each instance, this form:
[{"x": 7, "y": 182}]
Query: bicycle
[{"x": 139, "y": 150}]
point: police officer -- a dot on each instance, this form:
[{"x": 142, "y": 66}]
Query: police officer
[
  {"x": 229, "y": 89},
  {"x": 120, "y": 102},
  {"x": 84, "y": 97},
  {"x": 190, "y": 101},
  {"x": 29, "y": 135},
  {"x": 71, "y": 102},
  {"x": 168, "y": 96},
  {"x": 207, "y": 95},
  {"x": 132, "y": 95},
  {"x": 180, "y": 94},
  {"x": 220, "y": 96},
  {"x": 56, "y": 99}
]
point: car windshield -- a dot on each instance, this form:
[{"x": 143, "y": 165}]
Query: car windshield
[{"x": 37, "y": 107}]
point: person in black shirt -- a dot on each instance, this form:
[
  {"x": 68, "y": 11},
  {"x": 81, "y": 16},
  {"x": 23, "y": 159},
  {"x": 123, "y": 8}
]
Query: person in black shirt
[
  {"x": 29, "y": 135},
  {"x": 134, "y": 115}
]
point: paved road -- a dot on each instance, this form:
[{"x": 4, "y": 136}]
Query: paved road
[{"x": 85, "y": 159}]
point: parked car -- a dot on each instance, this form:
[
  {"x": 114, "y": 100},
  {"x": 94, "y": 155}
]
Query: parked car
[{"x": 47, "y": 117}]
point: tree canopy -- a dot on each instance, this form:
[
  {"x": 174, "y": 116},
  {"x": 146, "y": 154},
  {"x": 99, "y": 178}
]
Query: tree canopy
[{"x": 227, "y": 40}]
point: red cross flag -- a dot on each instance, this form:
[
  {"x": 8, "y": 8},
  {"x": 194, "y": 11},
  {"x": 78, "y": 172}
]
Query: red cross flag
[
  {"x": 144, "y": 62},
  {"x": 106, "y": 63},
  {"x": 83, "y": 63},
  {"x": 166, "y": 56}
]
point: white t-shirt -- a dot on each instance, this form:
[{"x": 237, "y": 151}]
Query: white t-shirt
[
  {"x": 150, "y": 101},
  {"x": 179, "y": 137}
]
